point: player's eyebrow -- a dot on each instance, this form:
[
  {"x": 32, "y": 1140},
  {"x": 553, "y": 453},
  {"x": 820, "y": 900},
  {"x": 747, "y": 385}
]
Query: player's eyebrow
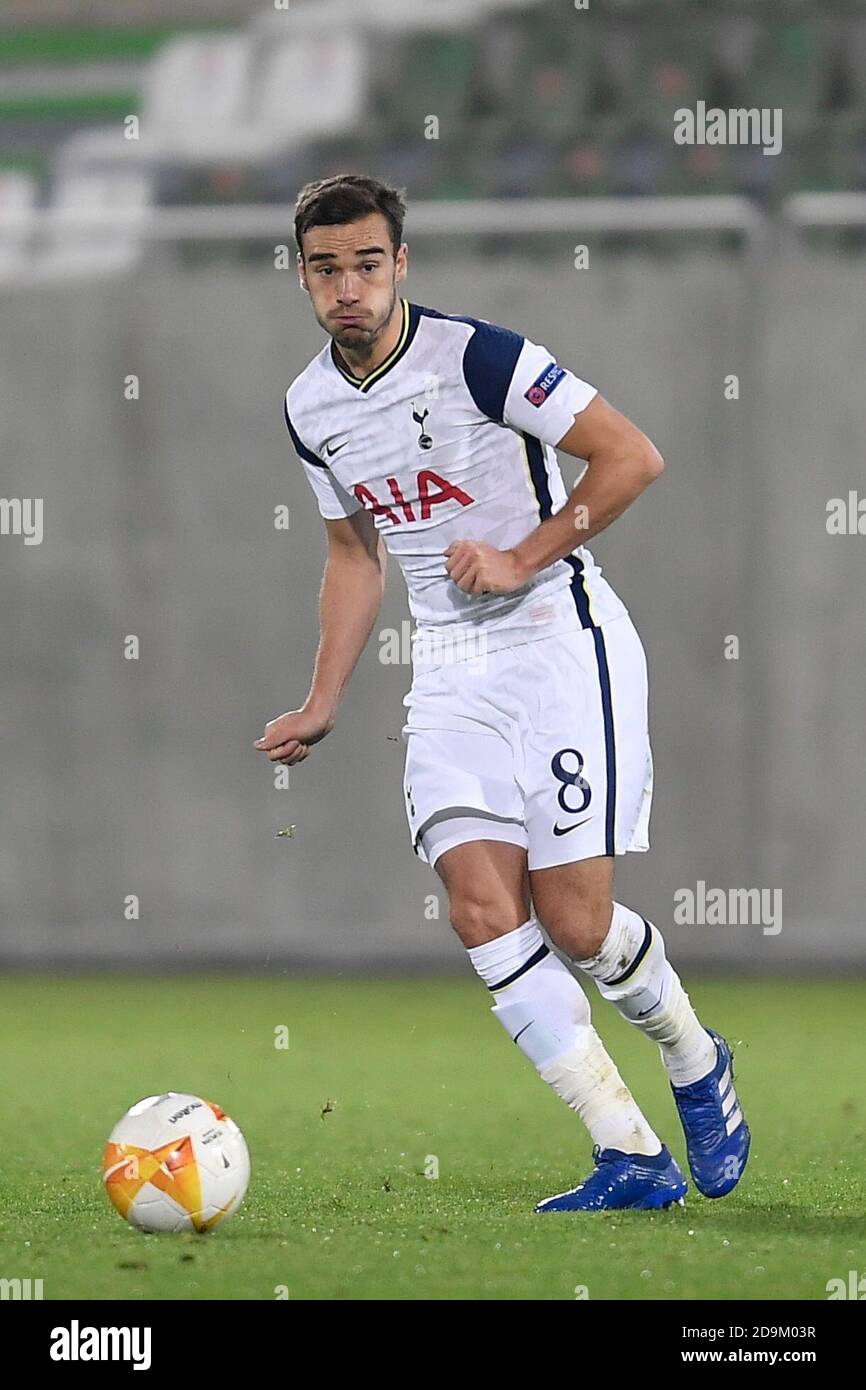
[{"x": 332, "y": 255}]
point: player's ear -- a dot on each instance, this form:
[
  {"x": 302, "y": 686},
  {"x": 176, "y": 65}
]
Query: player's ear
[
  {"x": 302, "y": 274},
  {"x": 401, "y": 262}
]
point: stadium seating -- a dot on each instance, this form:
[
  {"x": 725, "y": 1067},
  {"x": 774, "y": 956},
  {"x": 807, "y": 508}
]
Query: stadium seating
[
  {"x": 17, "y": 201},
  {"x": 310, "y": 87},
  {"x": 93, "y": 233},
  {"x": 532, "y": 98},
  {"x": 433, "y": 77},
  {"x": 102, "y": 250}
]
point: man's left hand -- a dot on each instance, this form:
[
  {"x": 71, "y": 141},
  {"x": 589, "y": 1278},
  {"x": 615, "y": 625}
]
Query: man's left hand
[{"x": 478, "y": 568}]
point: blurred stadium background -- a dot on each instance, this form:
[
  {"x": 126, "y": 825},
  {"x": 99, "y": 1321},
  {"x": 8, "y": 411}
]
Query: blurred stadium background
[{"x": 159, "y": 258}]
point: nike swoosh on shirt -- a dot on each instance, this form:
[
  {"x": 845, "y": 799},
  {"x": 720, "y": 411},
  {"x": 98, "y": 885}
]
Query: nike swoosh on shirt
[
  {"x": 330, "y": 452},
  {"x": 564, "y": 829}
]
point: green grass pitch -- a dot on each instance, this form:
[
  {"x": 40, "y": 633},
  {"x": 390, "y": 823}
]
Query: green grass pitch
[{"x": 377, "y": 1077}]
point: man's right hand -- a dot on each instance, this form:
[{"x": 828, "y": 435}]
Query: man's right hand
[{"x": 289, "y": 738}]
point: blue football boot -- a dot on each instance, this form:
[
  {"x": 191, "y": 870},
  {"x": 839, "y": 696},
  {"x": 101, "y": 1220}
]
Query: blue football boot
[
  {"x": 717, "y": 1136},
  {"x": 621, "y": 1180}
]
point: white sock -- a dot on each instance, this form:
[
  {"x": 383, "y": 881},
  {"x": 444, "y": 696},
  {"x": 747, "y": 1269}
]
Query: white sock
[
  {"x": 631, "y": 970},
  {"x": 544, "y": 1011}
]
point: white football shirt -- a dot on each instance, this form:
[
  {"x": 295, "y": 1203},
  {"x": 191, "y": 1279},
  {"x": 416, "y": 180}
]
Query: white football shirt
[{"x": 452, "y": 437}]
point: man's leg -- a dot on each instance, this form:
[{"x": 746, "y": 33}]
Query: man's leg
[
  {"x": 537, "y": 999},
  {"x": 625, "y": 956}
]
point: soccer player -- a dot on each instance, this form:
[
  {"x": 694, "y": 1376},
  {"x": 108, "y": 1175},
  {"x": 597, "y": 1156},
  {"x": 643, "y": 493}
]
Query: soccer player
[{"x": 528, "y": 762}]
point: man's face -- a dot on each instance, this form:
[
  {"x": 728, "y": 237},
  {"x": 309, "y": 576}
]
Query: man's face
[{"x": 351, "y": 275}]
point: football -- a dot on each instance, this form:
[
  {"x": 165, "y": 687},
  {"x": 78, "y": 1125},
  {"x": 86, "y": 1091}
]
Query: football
[{"x": 176, "y": 1162}]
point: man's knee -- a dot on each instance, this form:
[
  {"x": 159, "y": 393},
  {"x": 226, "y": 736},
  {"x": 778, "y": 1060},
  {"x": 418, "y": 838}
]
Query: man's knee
[
  {"x": 579, "y": 930},
  {"x": 574, "y": 904},
  {"x": 479, "y": 916},
  {"x": 576, "y": 913},
  {"x": 488, "y": 889}
]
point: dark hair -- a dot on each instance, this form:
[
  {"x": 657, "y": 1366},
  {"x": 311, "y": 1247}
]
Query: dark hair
[{"x": 347, "y": 198}]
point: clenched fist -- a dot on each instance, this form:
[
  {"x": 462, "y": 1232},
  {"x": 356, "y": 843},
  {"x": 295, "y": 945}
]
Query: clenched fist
[
  {"x": 478, "y": 568},
  {"x": 289, "y": 738}
]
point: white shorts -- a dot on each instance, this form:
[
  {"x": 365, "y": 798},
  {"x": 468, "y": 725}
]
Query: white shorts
[{"x": 547, "y": 747}]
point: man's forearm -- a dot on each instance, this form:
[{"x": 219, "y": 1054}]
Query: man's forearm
[
  {"x": 350, "y": 598},
  {"x": 604, "y": 492}
]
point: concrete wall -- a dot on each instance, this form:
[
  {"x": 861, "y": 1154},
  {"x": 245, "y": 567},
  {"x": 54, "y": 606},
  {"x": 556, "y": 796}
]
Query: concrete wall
[{"x": 139, "y": 777}]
